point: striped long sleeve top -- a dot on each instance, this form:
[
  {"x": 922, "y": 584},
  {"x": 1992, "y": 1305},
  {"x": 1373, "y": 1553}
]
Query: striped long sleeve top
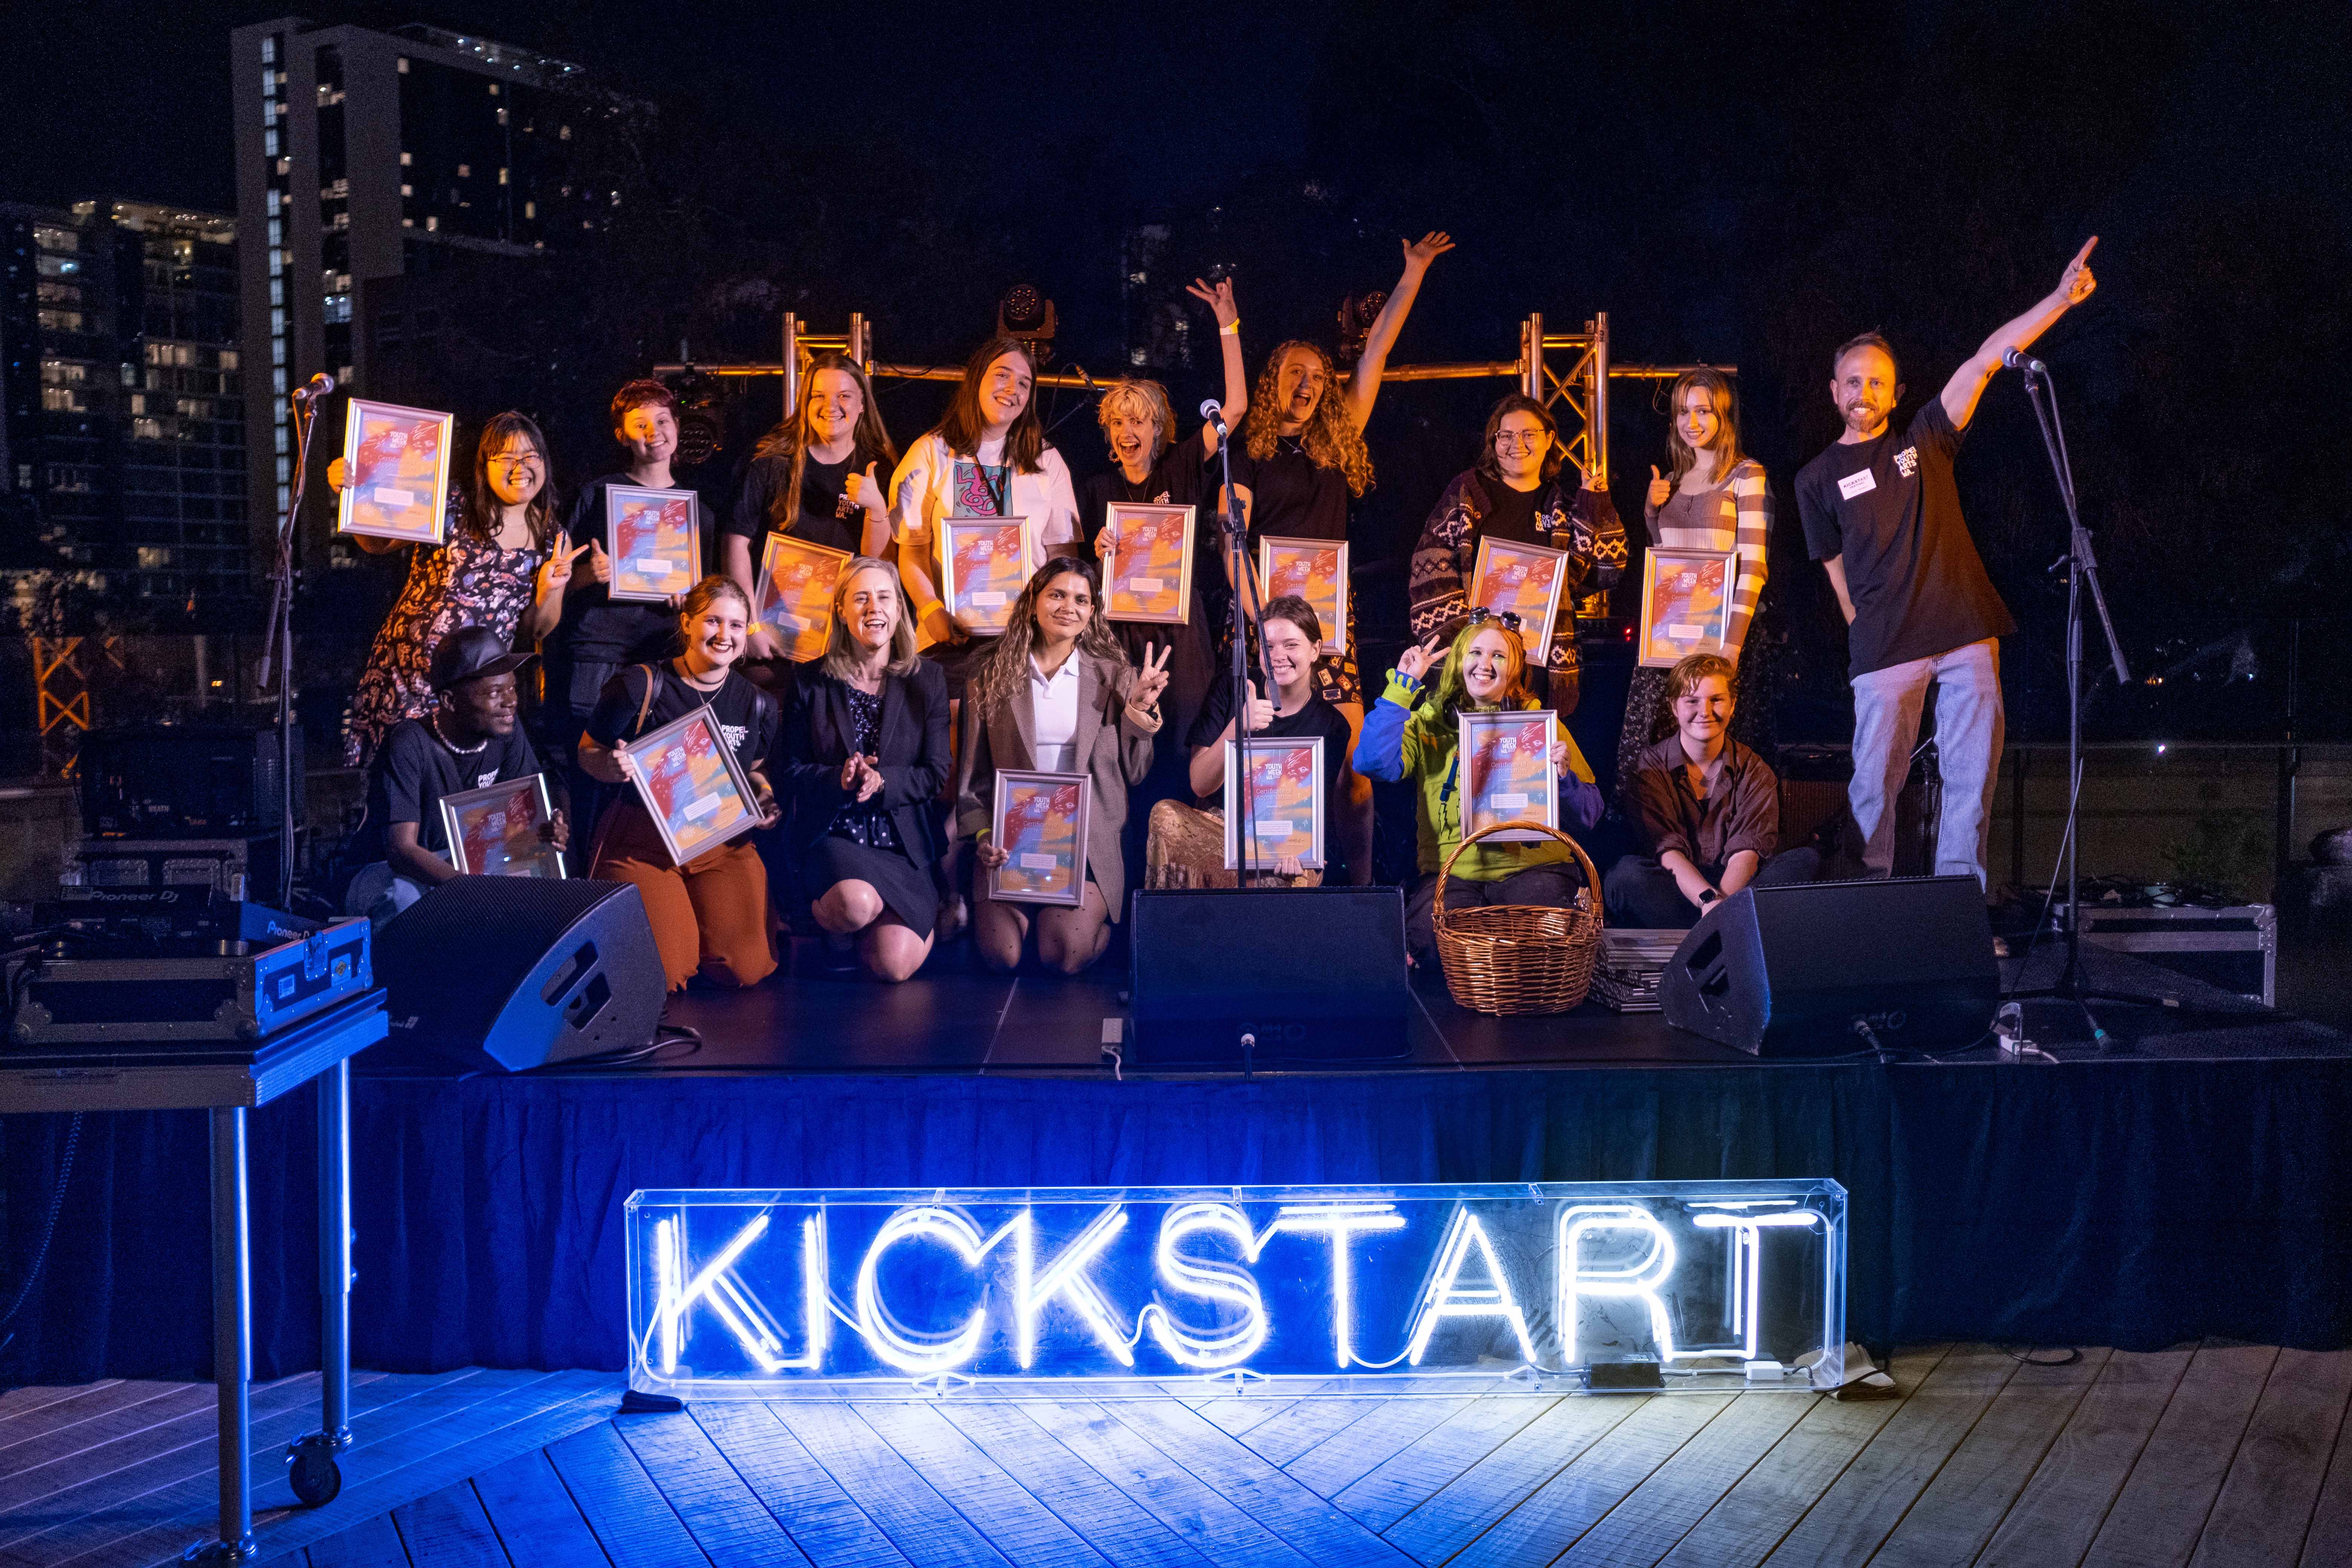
[{"x": 1736, "y": 515}]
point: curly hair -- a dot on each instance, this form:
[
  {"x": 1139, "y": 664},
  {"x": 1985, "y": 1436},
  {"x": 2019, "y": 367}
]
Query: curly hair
[
  {"x": 1330, "y": 437},
  {"x": 1006, "y": 666}
]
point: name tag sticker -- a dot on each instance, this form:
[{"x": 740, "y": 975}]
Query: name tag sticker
[
  {"x": 985, "y": 601},
  {"x": 1860, "y": 484},
  {"x": 1030, "y": 862},
  {"x": 651, "y": 567},
  {"x": 1273, "y": 829},
  {"x": 1147, "y": 586},
  {"x": 1686, "y": 634},
  {"x": 385, "y": 495},
  {"x": 700, "y": 808},
  {"x": 1510, "y": 802}
]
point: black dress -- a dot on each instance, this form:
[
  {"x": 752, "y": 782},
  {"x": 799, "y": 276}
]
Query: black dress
[{"x": 892, "y": 841}]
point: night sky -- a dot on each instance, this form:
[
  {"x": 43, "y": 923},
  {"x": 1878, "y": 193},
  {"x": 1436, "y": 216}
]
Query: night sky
[{"x": 1745, "y": 184}]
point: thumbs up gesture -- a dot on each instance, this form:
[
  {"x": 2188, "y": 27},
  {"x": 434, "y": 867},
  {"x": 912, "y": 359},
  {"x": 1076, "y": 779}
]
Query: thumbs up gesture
[
  {"x": 1662, "y": 488},
  {"x": 600, "y": 565},
  {"x": 1261, "y": 712},
  {"x": 866, "y": 492}
]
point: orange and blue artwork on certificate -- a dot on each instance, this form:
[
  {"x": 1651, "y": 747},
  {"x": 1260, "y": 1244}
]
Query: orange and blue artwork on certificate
[
  {"x": 1282, "y": 805},
  {"x": 396, "y": 473},
  {"x": 1686, "y": 604},
  {"x": 1510, "y": 772},
  {"x": 1041, "y": 842},
  {"x": 1520, "y": 579},
  {"x": 1150, "y": 563},
  {"x": 989, "y": 566},
  {"x": 796, "y": 585},
  {"x": 653, "y": 545},
  {"x": 692, "y": 791},
  {"x": 1315, "y": 571},
  {"x": 503, "y": 836}
]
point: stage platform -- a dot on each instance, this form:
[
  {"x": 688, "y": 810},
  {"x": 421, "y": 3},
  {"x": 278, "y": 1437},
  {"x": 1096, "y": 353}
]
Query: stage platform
[{"x": 2196, "y": 1184}]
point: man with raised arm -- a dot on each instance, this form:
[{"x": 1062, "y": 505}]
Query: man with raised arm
[{"x": 1883, "y": 517}]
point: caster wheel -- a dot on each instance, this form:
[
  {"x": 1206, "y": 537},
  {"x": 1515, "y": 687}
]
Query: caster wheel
[{"x": 315, "y": 1477}]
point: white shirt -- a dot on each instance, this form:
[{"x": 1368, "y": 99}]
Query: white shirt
[
  {"x": 1054, "y": 715},
  {"x": 924, "y": 491}
]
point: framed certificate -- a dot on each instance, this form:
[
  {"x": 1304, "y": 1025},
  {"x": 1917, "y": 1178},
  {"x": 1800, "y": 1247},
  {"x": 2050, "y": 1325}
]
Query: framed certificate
[
  {"x": 694, "y": 788},
  {"x": 796, "y": 583},
  {"x": 1149, "y": 569},
  {"x": 1284, "y": 779},
  {"x": 985, "y": 563},
  {"x": 1525, "y": 579},
  {"x": 655, "y": 540},
  {"x": 499, "y": 830},
  {"x": 395, "y": 472},
  {"x": 1317, "y": 570},
  {"x": 1041, "y": 824},
  {"x": 1686, "y": 604},
  {"x": 1506, "y": 772}
]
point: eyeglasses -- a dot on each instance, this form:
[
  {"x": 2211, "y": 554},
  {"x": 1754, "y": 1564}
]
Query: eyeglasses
[
  {"x": 1508, "y": 619},
  {"x": 1521, "y": 440},
  {"x": 503, "y": 462}
]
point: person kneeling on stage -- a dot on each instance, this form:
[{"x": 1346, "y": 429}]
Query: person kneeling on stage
[
  {"x": 865, "y": 751},
  {"x": 1056, "y": 694},
  {"x": 1407, "y": 737},
  {"x": 711, "y": 915},
  {"x": 1186, "y": 846},
  {"x": 1708, "y": 809},
  {"x": 470, "y": 741}
]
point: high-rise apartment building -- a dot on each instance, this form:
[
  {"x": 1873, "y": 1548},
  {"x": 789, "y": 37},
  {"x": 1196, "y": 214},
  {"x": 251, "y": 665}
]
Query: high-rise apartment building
[
  {"x": 366, "y": 156},
  {"x": 121, "y": 413}
]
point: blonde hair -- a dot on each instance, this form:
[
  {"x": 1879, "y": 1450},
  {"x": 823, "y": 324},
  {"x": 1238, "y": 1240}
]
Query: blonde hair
[
  {"x": 1151, "y": 401},
  {"x": 842, "y": 653},
  {"x": 1330, "y": 437}
]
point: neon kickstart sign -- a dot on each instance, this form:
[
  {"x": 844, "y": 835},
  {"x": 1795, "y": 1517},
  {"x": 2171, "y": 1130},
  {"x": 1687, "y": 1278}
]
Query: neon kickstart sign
[{"x": 1674, "y": 1284}]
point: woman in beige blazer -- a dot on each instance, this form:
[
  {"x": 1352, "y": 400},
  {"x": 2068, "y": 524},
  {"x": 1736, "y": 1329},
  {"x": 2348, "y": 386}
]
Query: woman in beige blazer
[{"x": 1056, "y": 694}]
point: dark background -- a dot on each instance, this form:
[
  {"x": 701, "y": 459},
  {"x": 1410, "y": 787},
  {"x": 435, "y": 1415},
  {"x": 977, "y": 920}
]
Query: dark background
[{"x": 1747, "y": 185}]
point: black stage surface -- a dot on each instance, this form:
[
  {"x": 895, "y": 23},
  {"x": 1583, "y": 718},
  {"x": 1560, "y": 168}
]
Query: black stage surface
[
  {"x": 955, "y": 1017},
  {"x": 2197, "y": 1182}
]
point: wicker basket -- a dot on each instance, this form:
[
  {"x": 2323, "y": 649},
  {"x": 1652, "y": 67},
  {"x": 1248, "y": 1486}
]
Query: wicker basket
[{"x": 1519, "y": 958}]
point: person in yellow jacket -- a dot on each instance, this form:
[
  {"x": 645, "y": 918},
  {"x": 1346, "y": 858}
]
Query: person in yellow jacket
[{"x": 1412, "y": 734}]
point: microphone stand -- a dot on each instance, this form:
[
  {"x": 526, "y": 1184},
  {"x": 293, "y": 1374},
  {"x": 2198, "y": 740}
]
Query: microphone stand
[
  {"x": 2082, "y": 571},
  {"x": 1242, "y": 578},
  {"x": 277, "y": 643}
]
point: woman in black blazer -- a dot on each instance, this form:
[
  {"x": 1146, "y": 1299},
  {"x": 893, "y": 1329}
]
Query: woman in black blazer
[{"x": 865, "y": 751}]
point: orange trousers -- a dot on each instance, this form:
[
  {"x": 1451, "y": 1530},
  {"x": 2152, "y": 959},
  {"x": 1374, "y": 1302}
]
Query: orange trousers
[{"x": 710, "y": 916}]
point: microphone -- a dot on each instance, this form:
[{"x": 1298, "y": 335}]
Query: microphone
[
  {"x": 315, "y": 388},
  {"x": 2017, "y": 359},
  {"x": 1214, "y": 413}
]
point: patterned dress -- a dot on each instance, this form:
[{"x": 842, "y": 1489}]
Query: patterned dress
[{"x": 466, "y": 582}]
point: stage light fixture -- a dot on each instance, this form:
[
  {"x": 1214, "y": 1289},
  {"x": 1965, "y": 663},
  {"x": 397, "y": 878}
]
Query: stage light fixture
[
  {"x": 1024, "y": 312},
  {"x": 701, "y": 431},
  {"x": 1357, "y": 314}
]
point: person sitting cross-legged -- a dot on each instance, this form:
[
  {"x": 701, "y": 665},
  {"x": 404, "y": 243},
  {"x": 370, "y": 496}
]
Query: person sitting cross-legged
[{"x": 1707, "y": 809}]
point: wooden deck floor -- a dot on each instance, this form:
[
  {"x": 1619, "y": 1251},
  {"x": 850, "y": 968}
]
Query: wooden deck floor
[{"x": 2221, "y": 1455}]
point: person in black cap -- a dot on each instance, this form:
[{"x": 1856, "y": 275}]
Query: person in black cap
[{"x": 468, "y": 740}]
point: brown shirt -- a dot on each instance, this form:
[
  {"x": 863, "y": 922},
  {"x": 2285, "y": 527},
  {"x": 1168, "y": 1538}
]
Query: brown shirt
[{"x": 1741, "y": 812}]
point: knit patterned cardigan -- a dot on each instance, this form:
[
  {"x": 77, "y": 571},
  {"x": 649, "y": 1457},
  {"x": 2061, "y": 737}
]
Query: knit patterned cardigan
[{"x": 1587, "y": 527}]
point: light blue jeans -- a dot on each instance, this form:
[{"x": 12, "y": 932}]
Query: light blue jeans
[{"x": 1968, "y": 734}]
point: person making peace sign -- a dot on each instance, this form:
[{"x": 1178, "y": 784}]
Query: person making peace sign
[{"x": 1056, "y": 693}]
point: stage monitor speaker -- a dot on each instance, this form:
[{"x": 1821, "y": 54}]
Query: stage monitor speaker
[
  {"x": 1309, "y": 974},
  {"x": 513, "y": 972},
  {"x": 1786, "y": 971}
]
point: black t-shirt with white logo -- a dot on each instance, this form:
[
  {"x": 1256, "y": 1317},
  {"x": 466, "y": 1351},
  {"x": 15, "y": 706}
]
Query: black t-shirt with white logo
[
  {"x": 415, "y": 769},
  {"x": 747, "y": 715},
  {"x": 1890, "y": 508}
]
